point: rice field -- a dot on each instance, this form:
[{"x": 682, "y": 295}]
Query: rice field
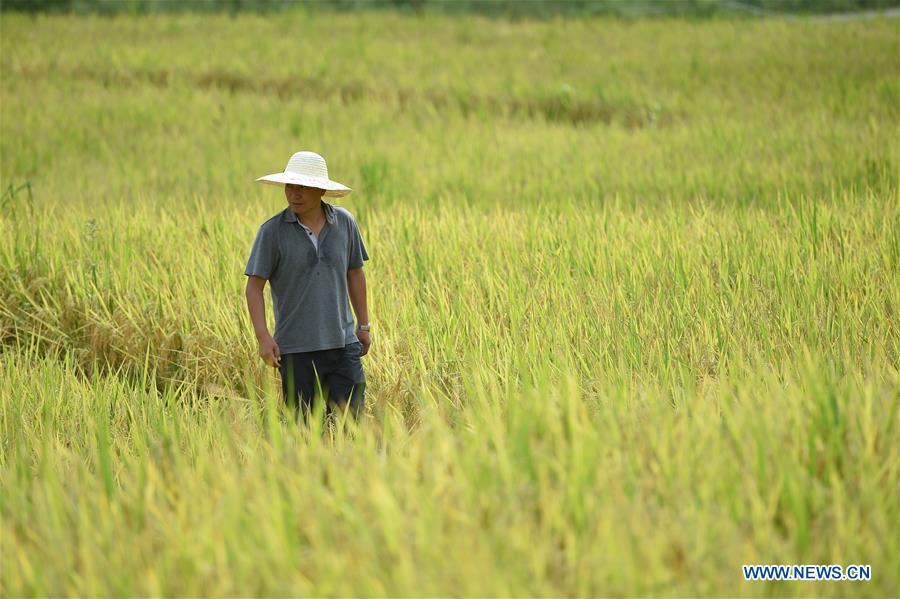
[{"x": 633, "y": 287}]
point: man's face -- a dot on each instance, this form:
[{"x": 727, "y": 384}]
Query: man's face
[{"x": 301, "y": 197}]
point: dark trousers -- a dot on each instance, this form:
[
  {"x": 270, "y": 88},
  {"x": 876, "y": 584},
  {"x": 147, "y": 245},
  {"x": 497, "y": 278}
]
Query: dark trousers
[{"x": 338, "y": 372}]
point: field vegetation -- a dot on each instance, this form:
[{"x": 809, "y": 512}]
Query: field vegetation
[{"x": 633, "y": 287}]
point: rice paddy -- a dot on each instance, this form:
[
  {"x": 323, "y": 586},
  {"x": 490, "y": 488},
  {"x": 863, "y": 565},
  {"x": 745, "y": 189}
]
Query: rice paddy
[{"x": 633, "y": 287}]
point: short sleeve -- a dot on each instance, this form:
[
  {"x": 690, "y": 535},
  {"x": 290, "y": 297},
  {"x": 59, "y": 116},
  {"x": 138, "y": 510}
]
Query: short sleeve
[
  {"x": 357, "y": 251},
  {"x": 263, "y": 255}
]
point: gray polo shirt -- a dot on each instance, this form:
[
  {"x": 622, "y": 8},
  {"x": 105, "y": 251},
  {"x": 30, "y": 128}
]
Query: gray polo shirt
[
  {"x": 310, "y": 297},
  {"x": 312, "y": 236}
]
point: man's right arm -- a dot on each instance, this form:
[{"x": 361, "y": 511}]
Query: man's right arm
[{"x": 256, "y": 306}]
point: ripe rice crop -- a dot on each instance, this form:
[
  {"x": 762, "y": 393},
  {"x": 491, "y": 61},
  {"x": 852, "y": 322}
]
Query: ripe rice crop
[{"x": 633, "y": 287}]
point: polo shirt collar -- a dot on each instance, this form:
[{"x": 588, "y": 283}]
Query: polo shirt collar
[{"x": 290, "y": 217}]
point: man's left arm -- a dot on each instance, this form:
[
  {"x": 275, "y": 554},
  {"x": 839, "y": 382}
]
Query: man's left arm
[{"x": 356, "y": 287}]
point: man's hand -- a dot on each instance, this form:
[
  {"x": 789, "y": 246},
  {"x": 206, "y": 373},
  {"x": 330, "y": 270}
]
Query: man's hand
[
  {"x": 269, "y": 351},
  {"x": 365, "y": 339}
]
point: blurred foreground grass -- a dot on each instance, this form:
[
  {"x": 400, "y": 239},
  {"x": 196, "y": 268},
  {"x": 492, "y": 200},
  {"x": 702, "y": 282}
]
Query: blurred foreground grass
[{"x": 635, "y": 490}]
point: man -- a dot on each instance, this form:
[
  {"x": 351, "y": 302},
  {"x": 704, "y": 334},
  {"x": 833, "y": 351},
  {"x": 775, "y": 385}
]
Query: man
[{"x": 312, "y": 255}]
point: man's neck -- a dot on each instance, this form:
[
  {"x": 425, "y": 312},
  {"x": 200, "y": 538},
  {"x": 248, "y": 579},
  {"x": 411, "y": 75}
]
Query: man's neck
[{"x": 313, "y": 216}]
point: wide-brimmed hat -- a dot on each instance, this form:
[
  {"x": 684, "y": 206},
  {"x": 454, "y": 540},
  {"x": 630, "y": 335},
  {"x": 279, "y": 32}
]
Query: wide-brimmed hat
[{"x": 307, "y": 168}]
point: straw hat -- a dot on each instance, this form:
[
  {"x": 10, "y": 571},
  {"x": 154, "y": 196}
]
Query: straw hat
[{"x": 307, "y": 168}]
